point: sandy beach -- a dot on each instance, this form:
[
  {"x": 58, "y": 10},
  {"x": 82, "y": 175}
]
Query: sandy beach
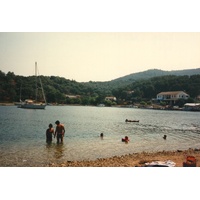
[{"x": 136, "y": 159}]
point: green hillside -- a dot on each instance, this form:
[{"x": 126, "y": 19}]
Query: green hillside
[{"x": 145, "y": 85}]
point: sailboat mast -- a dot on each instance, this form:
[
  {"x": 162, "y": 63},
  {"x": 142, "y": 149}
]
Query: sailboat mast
[
  {"x": 39, "y": 79},
  {"x": 43, "y": 92},
  {"x": 20, "y": 95},
  {"x": 36, "y": 89}
]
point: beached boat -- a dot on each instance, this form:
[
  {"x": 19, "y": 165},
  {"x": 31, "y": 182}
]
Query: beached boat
[{"x": 34, "y": 104}]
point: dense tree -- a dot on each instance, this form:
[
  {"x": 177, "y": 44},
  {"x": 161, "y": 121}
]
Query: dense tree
[{"x": 12, "y": 87}]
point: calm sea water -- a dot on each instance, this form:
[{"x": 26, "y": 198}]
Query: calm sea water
[{"x": 23, "y": 142}]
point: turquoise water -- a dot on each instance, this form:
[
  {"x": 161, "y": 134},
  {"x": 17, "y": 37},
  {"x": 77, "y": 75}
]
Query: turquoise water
[{"x": 22, "y": 133}]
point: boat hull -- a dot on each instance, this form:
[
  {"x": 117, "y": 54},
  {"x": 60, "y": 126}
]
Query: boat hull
[
  {"x": 32, "y": 106},
  {"x": 17, "y": 103}
]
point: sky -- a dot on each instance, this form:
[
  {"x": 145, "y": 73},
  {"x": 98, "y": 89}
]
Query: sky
[
  {"x": 89, "y": 41},
  {"x": 97, "y": 56}
]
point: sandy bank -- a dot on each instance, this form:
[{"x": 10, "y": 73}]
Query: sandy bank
[{"x": 136, "y": 159}]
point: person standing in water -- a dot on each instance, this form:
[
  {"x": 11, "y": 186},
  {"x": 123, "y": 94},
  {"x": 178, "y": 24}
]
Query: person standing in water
[
  {"x": 101, "y": 135},
  {"x": 49, "y": 133},
  {"x": 165, "y": 137},
  {"x": 60, "y": 131}
]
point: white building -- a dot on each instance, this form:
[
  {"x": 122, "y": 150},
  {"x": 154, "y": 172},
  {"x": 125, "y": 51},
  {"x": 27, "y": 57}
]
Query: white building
[
  {"x": 172, "y": 96},
  {"x": 72, "y": 96},
  {"x": 111, "y": 99}
]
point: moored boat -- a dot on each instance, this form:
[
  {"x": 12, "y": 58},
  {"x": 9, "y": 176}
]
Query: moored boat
[
  {"x": 35, "y": 104},
  {"x": 128, "y": 120},
  {"x": 28, "y": 103}
]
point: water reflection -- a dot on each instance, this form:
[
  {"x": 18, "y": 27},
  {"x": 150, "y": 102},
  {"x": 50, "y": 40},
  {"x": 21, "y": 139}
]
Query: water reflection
[
  {"x": 56, "y": 150},
  {"x": 59, "y": 149},
  {"x": 101, "y": 136}
]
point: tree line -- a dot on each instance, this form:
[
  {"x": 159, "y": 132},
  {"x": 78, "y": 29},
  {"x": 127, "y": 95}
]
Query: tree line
[
  {"x": 93, "y": 93},
  {"x": 146, "y": 90}
]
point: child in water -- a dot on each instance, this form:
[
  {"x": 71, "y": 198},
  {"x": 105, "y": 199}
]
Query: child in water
[{"x": 49, "y": 133}]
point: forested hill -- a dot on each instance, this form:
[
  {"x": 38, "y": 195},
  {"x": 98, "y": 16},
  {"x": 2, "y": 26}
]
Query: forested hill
[
  {"x": 157, "y": 72},
  {"x": 128, "y": 79},
  {"x": 144, "y": 84}
]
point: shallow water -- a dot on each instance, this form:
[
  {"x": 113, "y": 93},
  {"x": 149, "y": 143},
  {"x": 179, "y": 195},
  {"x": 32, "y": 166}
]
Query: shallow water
[{"x": 22, "y": 133}]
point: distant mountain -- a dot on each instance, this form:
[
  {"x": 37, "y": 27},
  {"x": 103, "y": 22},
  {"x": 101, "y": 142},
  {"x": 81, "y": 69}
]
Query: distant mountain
[
  {"x": 128, "y": 79},
  {"x": 188, "y": 72},
  {"x": 157, "y": 72}
]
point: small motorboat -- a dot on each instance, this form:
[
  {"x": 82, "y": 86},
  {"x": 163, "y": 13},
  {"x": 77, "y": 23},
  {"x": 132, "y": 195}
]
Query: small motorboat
[{"x": 128, "y": 120}]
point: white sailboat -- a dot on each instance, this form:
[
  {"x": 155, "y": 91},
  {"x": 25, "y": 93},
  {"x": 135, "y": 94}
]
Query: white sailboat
[{"x": 34, "y": 104}]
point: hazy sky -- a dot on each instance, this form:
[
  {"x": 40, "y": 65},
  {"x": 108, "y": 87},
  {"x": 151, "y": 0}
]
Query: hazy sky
[{"x": 101, "y": 56}]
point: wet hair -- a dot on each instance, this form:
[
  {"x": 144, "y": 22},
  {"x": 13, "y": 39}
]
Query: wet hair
[
  {"x": 50, "y": 125},
  {"x": 101, "y": 134},
  {"x": 57, "y": 122}
]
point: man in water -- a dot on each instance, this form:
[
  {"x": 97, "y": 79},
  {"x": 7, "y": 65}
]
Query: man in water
[{"x": 60, "y": 131}]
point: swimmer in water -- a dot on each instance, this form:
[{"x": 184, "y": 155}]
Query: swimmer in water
[{"x": 165, "y": 137}]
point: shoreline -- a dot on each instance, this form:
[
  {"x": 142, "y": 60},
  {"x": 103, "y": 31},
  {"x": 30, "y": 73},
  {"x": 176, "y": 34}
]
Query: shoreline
[
  {"x": 116, "y": 106},
  {"x": 135, "y": 159},
  {"x": 7, "y": 104},
  {"x": 155, "y": 107}
]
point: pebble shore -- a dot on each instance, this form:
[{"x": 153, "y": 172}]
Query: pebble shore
[{"x": 135, "y": 160}]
